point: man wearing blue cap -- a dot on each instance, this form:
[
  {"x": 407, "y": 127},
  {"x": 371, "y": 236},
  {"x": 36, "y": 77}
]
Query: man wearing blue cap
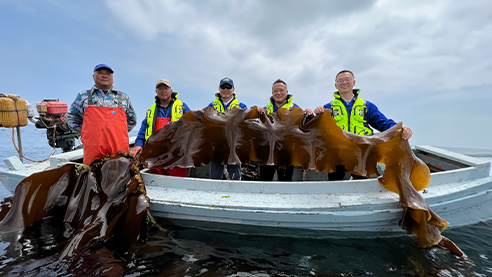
[
  {"x": 225, "y": 100},
  {"x": 103, "y": 115}
]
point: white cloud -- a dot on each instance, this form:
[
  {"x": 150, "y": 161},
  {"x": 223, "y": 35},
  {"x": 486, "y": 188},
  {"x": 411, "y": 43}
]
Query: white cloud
[
  {"x": 399, "y": 43},
  {"x": 430, "y": 50},
  {"x": 148, "y": 19}
]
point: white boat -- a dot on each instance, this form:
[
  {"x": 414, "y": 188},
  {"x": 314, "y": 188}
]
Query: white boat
[{"x": 460, "y": 191}]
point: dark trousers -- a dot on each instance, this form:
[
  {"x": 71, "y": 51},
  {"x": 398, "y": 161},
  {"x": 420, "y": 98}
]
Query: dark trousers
[
  {"x": 268, "y": 171},
  {"x": 340, "y": 174},
  {"x": 217, "y": 171}
]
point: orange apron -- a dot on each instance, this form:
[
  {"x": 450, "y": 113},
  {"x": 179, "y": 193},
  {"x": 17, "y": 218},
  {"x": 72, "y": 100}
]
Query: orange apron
[
  {"x": 177, "y": 171},
  {"x": 104, "y": 131}
]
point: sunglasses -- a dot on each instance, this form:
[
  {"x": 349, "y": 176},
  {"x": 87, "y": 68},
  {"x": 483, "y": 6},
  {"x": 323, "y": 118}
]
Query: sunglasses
[{"x": 226, "y": 86}]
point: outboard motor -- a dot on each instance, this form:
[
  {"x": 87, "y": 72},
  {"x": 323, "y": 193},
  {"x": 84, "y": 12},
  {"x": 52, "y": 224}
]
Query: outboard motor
[{"x": 52, "y": 114}]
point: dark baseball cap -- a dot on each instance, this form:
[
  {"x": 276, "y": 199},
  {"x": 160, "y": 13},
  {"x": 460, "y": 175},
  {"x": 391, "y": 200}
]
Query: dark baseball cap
[{"x": 226, "y": 80}]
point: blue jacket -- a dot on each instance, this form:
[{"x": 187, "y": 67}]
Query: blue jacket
[
  {"x": 165, "y": 113},
  {"x": 376, "y": 119}
]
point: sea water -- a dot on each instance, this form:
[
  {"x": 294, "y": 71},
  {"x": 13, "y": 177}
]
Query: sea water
[{"x": 179, "y": 251}]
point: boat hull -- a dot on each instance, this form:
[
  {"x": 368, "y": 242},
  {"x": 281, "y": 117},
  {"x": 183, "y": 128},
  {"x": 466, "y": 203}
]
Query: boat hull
[
  {"x": 354, "y": 208},
  {"x": 312, "y": 209}
]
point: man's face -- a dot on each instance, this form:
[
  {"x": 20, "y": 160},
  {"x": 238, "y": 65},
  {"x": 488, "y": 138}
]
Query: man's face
[
  {"x": 226, "y": 91},
  {"x": 103, "y": 79},
  {"x": 164, "y": 93},
  {"x": 345, "y": 82},
  {"x": 279, "y": 93}
]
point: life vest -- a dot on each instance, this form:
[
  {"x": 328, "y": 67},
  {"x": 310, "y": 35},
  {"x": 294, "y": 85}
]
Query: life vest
[
  {"x": 104, "y": 130},
  {"x": 356, "y": 121},
  {"x": 219, "y": 106},
  {"x": 270, "y": 108},
  {"x": 177, "y": 110}
]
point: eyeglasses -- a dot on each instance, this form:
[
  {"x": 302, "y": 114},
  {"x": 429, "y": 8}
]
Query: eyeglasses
[
  {"x": 344, "y": 80},
  {"x": 226, "y": 86}
]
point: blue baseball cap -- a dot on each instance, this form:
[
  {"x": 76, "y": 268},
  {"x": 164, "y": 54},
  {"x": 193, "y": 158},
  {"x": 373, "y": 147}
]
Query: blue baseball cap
[
  {"x": 101, "y": 66},
  {"x": 226, "y": 80}
]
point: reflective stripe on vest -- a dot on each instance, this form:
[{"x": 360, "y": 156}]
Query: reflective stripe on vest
[
  {"x": 356, "y": 121},
  {"x": 177, "y": 111},
  {"x": 217, "y": 104},
  {"x": 288, "y": 105}
]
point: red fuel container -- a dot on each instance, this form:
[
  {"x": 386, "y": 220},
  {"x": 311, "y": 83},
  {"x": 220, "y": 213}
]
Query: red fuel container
[{"x": 56, "y": 108}]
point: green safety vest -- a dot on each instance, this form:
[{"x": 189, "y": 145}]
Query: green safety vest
[
  {"x": 217, "y": 104},
  {"x": 287, "y": 105},
  {"x": 177, "y": 111},
  {"x": 356, "y": 121}
]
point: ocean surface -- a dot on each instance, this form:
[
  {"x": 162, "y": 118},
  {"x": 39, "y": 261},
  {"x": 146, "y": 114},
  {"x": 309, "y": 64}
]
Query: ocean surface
[{"x": 178, "y": 251}]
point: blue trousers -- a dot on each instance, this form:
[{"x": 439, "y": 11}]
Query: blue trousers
[{"x": 217, "y": 170}]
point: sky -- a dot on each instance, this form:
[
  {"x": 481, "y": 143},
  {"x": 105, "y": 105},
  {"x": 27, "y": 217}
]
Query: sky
[{"x": 425, "y": 63}]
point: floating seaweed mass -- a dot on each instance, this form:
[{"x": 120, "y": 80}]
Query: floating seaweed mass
[
  {"x": 286, "y": 138},
  {"x": 102, "y": 204},
  {"x": 105, "y": 204}
]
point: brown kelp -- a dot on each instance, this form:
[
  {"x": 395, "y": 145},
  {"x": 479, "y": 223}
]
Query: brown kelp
[
  {"x": 287, "y": 138},
  {"x": 100, "y": 205}
]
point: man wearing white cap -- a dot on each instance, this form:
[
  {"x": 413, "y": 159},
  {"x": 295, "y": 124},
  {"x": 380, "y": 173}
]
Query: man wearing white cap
[{"x": 167, "y": 108}]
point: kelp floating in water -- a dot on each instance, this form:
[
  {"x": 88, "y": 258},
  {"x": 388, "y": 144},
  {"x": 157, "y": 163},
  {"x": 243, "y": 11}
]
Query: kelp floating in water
[
  {"x": 104, "y": 204},
  {"x": 285, "y": 138}
]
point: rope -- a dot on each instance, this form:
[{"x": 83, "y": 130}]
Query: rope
[{"x": 16, "y": 149}]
